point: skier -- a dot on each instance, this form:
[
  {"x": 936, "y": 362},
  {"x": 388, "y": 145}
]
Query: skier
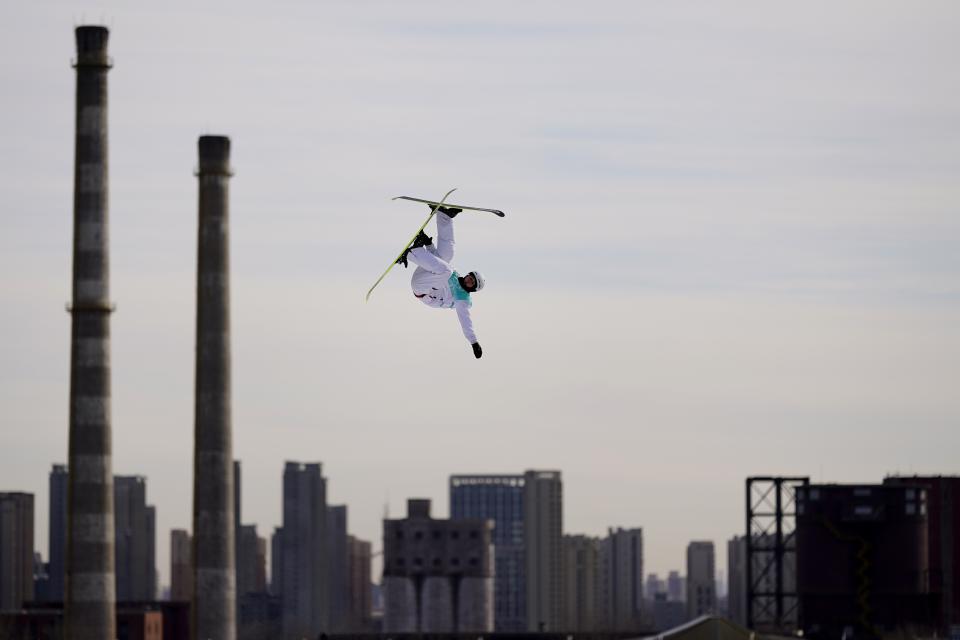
[{"x": 435, "y": 283}]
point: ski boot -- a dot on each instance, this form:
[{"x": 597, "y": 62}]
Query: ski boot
[
  {"x": 451, "y": 212},
  {"x": 421, "y": 240}
]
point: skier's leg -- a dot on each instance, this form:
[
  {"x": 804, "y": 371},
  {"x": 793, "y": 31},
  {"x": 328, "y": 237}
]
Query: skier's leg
[
  {"x": 425, "y": 283},
  {"x": 444, "y": 237},
  {"x": 418, "y": 282},
  {"x": 422, "y": 257}
]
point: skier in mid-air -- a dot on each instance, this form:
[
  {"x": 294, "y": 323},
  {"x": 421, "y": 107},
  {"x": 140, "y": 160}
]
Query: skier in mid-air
[{"x": 434, "y": 281}]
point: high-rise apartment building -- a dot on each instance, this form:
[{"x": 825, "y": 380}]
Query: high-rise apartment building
[
  {"x": 181, "y": 569},
  {"x": 239, "y": 558},
  {"x": 57, "y": 527},
  {"x": 338, "y": 566},
  {"x": 40, "y": 578},
  {"x": 16, "y": 550},
  {"x": 737, "y": 580},
  {"x": 237, "y": 496},
  {"x": 499, "y": 498},
  {"x": 437, "y": 574},
  {"x": 621, "y": 575},
  {"x": 667, "y": 613},
  {"x": 135, "y": 540},
  {"x": 153, "y": 579},
  {"x": 653, "y": 586},
  {"x": 580, "y": 581},
  {"x": 261, "y": 584},
  {"x": 528, "y": 514},
  {"x": 676, "y": 587},
  {"x": 251, "y": 562},
  {"x": 543, "y": 539},
  {"x": 276, "y": 561},
  {"x": 304, "y": 591},
  {"x": 701, "y": 594},
  {"x": 358, "y": 584}
]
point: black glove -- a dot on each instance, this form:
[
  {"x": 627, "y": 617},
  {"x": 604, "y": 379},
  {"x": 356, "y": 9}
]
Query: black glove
[{"x": 477, "y": 351}]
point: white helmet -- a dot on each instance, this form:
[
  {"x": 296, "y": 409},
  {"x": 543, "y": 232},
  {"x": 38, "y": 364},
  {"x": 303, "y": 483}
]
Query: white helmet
[{"x": 479, "y": 279}]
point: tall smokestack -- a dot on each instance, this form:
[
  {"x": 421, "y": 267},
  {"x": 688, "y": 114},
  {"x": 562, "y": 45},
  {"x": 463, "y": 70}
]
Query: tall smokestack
[
  {"x": 214, "y": 599},
  {"x": 90, "y": 599}
]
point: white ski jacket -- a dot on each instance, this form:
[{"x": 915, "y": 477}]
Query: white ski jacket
[{"x": 436, "y": 285}]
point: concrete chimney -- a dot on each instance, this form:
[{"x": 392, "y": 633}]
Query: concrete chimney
[
  {"x": 214, "y": 597},
  {"x": 90, "y": 598}
]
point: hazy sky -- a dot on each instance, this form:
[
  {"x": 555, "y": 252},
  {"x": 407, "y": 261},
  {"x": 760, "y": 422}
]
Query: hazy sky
[{"x": 731, "y": 248}]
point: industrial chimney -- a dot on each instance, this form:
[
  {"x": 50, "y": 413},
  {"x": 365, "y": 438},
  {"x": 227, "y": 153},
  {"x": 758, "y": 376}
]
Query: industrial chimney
[
  {"x": 214, "y": 597},
  {"x": 90, "y": 598}
]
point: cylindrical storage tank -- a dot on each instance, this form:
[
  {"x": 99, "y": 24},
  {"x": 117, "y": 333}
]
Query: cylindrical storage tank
[
  {"x": 862, "y": 558},
  {"x": 400, "y": 605},
  {"x": 436, "y": 607},
  {"x": 475, "y": 607}
]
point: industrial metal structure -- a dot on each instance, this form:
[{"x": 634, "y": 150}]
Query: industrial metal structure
[
  {"x": 214, "y": 597},
  {"x": 863, "y": 562},
  {"x": 90, "y": 589},
  {"x": 943, "y": 544},
  {"x": 771, "y": 553}
]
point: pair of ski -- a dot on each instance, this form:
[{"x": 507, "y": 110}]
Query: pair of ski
[{"x": 434, "y": 207}]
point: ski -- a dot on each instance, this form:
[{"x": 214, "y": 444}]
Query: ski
[
  {"x": 435, "y": 206},
  {"x": 495, "y": 212}
]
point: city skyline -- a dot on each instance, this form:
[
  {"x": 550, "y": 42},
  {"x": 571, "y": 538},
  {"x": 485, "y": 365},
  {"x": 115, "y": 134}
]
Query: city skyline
[
  {"x": 163, "y": 573},
  {"x": 729, "y": 250},
  {"x": 606, "y": 587}
]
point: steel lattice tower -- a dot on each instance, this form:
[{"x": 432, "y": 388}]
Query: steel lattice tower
[{"x": 771, "y": 553}]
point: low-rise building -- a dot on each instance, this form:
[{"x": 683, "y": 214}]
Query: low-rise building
[{"x": 437, "y": 574}]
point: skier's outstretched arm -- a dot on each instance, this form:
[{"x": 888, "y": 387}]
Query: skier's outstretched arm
[
  {"x": 427, "y": 260},
  {"x": 466, "y": 323}
]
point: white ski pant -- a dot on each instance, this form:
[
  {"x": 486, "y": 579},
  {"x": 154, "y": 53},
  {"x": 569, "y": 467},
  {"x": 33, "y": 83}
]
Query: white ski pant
[{"x": 433, "y": 261}]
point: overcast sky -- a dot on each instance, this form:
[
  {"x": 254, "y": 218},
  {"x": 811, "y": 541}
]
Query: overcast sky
[{"x": 731, "y": 248}]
